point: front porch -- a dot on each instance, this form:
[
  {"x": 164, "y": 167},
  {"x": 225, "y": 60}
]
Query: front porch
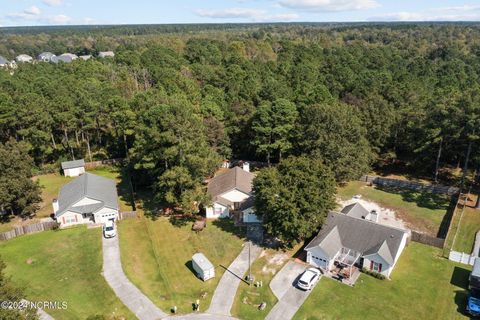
[{"x": 346, "y": 266}]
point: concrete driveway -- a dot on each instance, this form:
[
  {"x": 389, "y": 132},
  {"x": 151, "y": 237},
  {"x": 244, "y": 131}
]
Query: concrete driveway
[
  {"x": 226, "y": 290},
  {"x": 128, "y": 293},
  {"x": 200, "y": 316},
  {"x": 290, "y": 298}
]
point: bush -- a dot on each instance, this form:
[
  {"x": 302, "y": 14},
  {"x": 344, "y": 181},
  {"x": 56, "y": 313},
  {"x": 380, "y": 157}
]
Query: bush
[{"x": 373, "y": 274}]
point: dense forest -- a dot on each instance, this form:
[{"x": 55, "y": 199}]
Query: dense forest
[{"x": 175, "y": 101}]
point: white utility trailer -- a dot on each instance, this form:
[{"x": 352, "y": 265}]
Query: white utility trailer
[{"x": 203, "y": 267}]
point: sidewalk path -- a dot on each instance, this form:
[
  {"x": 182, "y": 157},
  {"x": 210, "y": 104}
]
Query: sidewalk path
[
  {"x": 128, "y": 293},
  {"x": 290, "y": 298},
  {"x": 226, "y": 290}
]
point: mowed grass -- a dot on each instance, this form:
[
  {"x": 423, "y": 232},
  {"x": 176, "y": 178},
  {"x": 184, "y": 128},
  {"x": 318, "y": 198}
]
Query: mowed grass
[
  {"x": 421, "y": 211},
  {"x": 63, "y": 265},
  {"x": 423, "y": 286},
  {"x": 156, "y": 256},
  {"x": 468, "y": 227},
  {"x": 249, "y": 298}
]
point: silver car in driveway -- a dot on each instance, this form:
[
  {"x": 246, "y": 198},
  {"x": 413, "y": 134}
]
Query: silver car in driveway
[{"x": 309, "y": 278}]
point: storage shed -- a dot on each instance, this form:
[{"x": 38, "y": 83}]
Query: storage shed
[
  {"x": 73, "y": 168},
  {"x": 203, "y": 267}
]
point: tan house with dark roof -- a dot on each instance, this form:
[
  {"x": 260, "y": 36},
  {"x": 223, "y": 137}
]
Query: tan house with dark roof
[{"x": 231, "y": 191}]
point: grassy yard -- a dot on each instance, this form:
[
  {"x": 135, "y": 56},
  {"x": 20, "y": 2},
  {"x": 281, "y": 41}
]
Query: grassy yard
[
  {"x": 156, "y": 256},
  {"x": 66, "y": 266},
  {"x": 468, "y": 227},
  {"x": 423, "y": 286},
  {"x": 248, "y": 298},
  {"x": 421, "y": 211}
]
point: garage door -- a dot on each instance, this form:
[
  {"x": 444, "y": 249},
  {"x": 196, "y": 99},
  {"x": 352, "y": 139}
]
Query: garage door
[{"x": 320, "y": 262}]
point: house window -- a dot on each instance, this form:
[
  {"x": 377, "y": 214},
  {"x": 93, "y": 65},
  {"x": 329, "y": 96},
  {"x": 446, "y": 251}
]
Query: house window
[
  {"x": 70, "y": 220},
  {"x": 375, "y": 266},
  {"x": 218, "y": 211}
]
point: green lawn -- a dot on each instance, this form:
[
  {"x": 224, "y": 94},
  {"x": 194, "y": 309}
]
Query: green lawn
[
  {"x": 423, "y": 286},
  {"x": 156, "y": 256},
  {"x": 469, "y": 225},
  {"x": 421, "y": 211},
  {"x": 248, "y": 298},
  {"x": 63, "y": 265}
]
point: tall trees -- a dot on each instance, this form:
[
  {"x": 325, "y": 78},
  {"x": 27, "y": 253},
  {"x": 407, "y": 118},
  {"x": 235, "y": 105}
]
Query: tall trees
[
  {"x": 294, "y": 197},
  {"x": 272, "y": 126},
  {"x": 19, "y": 195},
  {"x": 334, "y": 133}
]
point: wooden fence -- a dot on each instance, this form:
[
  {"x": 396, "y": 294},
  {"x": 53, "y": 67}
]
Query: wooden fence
[
  {"x": 95, "y": 164},
  {"x": 428, "y": 240},
  {"x": 413, "y": 185},
  {"x": 127, "y": 215},
  {"x": 31, "y": 228}
]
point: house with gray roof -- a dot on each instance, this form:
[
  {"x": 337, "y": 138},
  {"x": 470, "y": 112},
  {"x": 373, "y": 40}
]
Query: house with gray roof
[
  {"x": 356, "y": 210},
  {"x": 232, "y": 191},
  {"x": 66, "y": 58},
  {"x": 106, "y": 54},
  {"x": 350, "y": 242},
  {"x": 46, "y": 57},
  {"x": 73, "y": 168},
  {"x": 86, "y": 199},
  {"x": 3, "y": 62}
]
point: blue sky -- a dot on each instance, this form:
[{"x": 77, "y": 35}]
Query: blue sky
[{"x": 60, "y": 12}]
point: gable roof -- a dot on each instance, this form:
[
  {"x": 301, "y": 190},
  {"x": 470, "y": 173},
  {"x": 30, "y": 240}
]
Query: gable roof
[
  {"x": 355, "y": 210},
  {"x": 45, "y": 56},
  {"x": 24, "y": 58},
  {"x": 234, "y": 178},
  {"x": 73, "y": 164},
  {"x": 91, "y": 186},
  {"x": 366, "y": 237}
]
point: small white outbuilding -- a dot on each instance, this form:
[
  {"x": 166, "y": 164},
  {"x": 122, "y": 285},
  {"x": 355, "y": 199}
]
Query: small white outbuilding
[
  {"x": 203, "y": 267},
  {"x": 73, "y": 168}
]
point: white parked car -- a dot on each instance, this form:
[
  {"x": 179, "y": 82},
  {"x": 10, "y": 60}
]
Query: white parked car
[
  {"x": 109, "y": 229},
  {"x": 309, "y": 278}
]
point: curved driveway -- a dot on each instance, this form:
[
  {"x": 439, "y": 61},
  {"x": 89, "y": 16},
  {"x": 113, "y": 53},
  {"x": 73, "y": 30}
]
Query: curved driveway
[{"x": 128, "y": 293}]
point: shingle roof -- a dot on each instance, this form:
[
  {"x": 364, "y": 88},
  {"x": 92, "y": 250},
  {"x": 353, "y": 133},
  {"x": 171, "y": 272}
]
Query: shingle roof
[
  {"x": 24, "y": 58},
  {"x": 45, "y": 56},
  {"x": 67, "y": 57},
  {"x": 90, "y": 186},
  {"x": 361, "y": 235},
  {"x": 3, "y": 61},
  {"x": 355, "y": 210},
  {"x": 235, "y": 178},
  {"x": 73, "y": 164}
]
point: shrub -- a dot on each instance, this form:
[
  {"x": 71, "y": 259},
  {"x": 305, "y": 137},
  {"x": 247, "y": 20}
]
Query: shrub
[{"x": 373, "y": 274}]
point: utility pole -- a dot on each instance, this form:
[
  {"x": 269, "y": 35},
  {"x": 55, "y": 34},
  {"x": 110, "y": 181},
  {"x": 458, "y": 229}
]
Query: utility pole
[{"x": 249, "y": 264}]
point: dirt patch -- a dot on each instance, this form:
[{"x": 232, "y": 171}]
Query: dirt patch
[
  {"x": 386, "y": 216},
  {"x": 273, "y": 261}
]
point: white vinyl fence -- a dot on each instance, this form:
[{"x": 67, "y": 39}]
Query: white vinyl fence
[{"x": 461, "y": 257}]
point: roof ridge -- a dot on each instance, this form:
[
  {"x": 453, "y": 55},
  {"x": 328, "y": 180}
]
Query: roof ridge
[{"x": 369, "y": 221}]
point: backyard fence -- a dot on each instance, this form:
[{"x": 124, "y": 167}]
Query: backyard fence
[
  {"x": 95, "y": 164},
  {"x": 426, "y": 239},
  {"x": 127, "y": 215},
  {"x": 461, "y": 257},
  {"x": 31, "y": 228},
  {"x": 412, "y": 185}
]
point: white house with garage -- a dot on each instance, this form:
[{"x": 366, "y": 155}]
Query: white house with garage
[
  {"x": 352, "y": 243},
  {"x": 231, "y": 192},
  {"x": 86, "y": 199},
  {"x": 73, "y": 168}
]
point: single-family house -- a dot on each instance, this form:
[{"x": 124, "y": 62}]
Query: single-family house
[
  {"x": 232, "y": 191},
  {"x": 3, "y": 62},
  {"x": 46, "y": 57},
  {"x": 106, "y": 54},
  {"x": 24, "y": 58},
  {"x": 356, "y": 210},
  {"x": 66, "y": 58},
  {"x": 86, "y": 57},
  {"x": 348, "y": 241},
  {"x": 86, "y": 199},
  {"x": 73, "y": 168}
]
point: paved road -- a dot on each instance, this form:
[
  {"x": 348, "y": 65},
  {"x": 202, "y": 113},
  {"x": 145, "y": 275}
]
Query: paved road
[
  {"x": 290, "y": 298},
  {"x": 226, "y": 290},
  {"x": 129, "y": 294}
]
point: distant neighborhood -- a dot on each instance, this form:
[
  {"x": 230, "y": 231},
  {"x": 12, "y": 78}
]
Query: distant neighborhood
[{"x": 50, "y": 57}]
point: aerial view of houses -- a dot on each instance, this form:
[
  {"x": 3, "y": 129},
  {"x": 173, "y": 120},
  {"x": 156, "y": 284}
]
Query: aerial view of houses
[{"x": 275, "y": 160}]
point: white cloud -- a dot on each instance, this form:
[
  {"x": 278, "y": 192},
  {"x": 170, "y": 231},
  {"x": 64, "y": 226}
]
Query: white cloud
[
  {"x": 329, "y": 5},
  {"x": 59, "y": 19},
  {"x": 456, "y": 13},
  {"x": 33, "y": 10},
  {"x": 53, "y": 3},
  {"x": 249, "y": 14}
]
